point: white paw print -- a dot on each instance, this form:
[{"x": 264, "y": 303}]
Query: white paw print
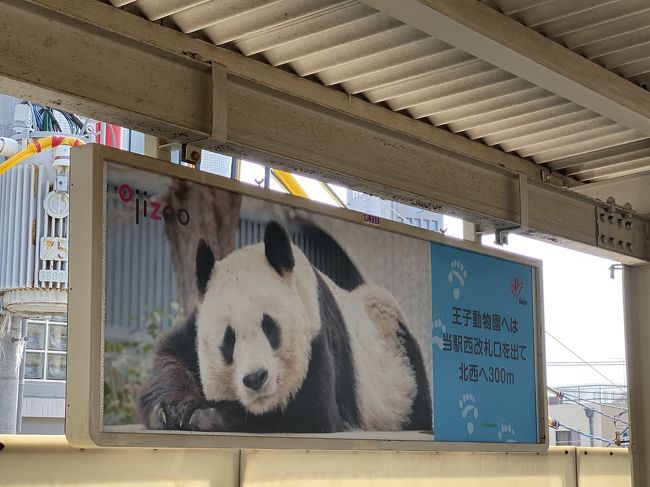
[
  {"x": 467, "y": 405},
  {"x": 459, "y": 272},
  {"x": 437, "y": 330},
  {"x": 506, "y": 433}
]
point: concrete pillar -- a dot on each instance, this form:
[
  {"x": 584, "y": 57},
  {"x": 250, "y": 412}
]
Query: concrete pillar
[
  {"x": 11, "y": 354},
  {"x": 636, "y": 299}
]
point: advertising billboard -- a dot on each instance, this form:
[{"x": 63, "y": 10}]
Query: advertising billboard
[{"x": 207, "y": 312}]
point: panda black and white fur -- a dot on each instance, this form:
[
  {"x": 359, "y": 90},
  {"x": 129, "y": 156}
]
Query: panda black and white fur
[{"x": 276, "y": 346}]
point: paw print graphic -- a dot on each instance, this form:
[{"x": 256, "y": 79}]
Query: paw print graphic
[
  {"x": 457, "y": 276},
  {"x": 468, "y": 410}
]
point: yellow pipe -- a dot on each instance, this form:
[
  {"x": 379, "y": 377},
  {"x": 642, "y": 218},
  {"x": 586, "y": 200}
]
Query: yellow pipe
[
  {"x": 289, "y": 182},
  {"x": 38, "y": 146}
]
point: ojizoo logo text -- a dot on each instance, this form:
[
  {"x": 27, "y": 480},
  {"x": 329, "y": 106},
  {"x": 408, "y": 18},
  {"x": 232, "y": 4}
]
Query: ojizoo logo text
[{"x": 145, "y": 208}]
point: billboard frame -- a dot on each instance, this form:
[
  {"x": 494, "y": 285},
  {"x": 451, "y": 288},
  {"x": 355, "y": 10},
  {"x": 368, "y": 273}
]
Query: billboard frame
[{"x": 86, "y": 317}]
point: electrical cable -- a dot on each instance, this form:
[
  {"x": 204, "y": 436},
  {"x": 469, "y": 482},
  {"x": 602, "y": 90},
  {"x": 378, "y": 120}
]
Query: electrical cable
[
  {"x": 604, "y": 363},
  {"x": 54, "y": 123},
  {"x": 45, "y": 120},
  {"x": 603, "y": 440},
  {"x": 561, "y": 395},
  {"x": 86, "y": 125},
  {"x": 73, "y": 122},
  {"x": 585, "y": 362},
  {"x": 624, "y": 410},
  {"x": 556, "y": 425}
]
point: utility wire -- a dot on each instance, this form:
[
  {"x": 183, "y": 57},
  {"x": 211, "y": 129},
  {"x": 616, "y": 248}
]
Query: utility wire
[
  {"x": 595, "y": 402},
  {"x": 585, "y": 362},
  {"x": 617, "y": 363},
  {"x": 561, "y": 394},
  {"x": 603, "y": 440}
]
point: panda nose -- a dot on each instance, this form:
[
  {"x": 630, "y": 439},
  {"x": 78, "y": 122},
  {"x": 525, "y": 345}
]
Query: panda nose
[{"x": 256, "y": 380}]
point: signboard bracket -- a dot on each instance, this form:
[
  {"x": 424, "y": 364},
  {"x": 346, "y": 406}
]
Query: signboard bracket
[
  {"x": 219, "y": 124},
  {"x": 501, "y": 236}
]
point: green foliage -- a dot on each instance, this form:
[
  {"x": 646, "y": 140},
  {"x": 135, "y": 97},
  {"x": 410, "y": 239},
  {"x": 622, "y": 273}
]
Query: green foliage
[{"x": 128, "y": 365}]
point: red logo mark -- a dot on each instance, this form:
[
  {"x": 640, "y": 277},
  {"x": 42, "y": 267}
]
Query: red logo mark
[{"x": 516, "y": 287}]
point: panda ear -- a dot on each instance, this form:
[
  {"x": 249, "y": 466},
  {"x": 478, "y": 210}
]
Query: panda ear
[
  {"x": 204, "y": 266},
  {"x": 277, "y": 247}
]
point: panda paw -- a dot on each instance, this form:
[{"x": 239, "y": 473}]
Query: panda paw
[
  {"x": 157, "y": 418},
  {"x": 195, "y": 416},
  {"x": 206, "y": 419},
  {"x": 198, "y": 417}
]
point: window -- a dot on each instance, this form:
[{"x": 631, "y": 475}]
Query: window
[
  {"x": 567, "y": 438},
  {"x": 46, "y": 350},
  {"x": 216, "y": 163}
]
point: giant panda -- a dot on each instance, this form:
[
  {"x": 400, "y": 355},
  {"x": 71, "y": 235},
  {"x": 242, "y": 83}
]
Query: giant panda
[{"x": 276, "y": 346}]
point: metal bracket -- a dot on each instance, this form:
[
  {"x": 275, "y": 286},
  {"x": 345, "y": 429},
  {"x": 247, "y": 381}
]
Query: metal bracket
[
  {"x": 190, "y": 152},
  {"x": 615, "y": 229},
  {"x": 219, "y": 102},
  {"x": 612, "y": 270},
  {"x": 501, "y": 235}
]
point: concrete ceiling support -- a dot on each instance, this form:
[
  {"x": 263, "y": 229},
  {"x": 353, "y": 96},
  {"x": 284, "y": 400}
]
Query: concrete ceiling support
[
  {"x": 91, "y": 58},
  {"x": 503, "y": 42},
  {"x": 636, "y": 294}
]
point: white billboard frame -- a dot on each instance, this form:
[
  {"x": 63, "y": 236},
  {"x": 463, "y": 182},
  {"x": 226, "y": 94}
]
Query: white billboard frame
[{"x": 86, "y": 315}]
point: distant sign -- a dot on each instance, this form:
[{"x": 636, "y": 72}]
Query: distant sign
[{"x": 483, "y": 340}]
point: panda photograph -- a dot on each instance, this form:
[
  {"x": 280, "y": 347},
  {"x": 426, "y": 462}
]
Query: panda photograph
[{"x": 263, "y": 317}]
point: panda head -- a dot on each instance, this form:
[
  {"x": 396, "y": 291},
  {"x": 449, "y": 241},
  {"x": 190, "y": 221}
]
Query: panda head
[{"x": 255, "y": 323}]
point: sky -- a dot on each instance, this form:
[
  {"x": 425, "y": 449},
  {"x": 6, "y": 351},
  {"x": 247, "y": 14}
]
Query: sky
[{"x": 583, "y": 306}]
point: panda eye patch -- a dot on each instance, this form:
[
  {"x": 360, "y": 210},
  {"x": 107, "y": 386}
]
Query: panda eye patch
[
  {"x": 271, "y": 330},
  {"x": 228, "y": 346}
]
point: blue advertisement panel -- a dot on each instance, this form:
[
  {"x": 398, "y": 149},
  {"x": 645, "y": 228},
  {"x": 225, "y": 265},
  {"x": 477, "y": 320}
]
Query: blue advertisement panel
[{"x": 483, "y": 348}]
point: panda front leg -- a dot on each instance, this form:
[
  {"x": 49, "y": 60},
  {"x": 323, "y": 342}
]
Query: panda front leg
[
  {"x": 173, "y": 397},
  {"x": 177, "y": 409}
]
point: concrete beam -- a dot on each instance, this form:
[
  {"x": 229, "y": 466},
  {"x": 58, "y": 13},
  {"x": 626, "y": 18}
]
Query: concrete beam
[
  {"x": 485, "y": 33},
  {"x": 133, "y": 72},
  {"x": 123, "y": 40}
]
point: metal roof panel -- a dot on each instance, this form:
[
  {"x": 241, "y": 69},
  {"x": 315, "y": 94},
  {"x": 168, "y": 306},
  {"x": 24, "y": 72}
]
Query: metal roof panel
[{"x": 357, "y": 49}]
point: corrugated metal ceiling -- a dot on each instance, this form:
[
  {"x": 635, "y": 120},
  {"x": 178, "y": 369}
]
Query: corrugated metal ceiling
[
  {"x": 612, "y": 33},
  {"x": 350, "y": 46}
]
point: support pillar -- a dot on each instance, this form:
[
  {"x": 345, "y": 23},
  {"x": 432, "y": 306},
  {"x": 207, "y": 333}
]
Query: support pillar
[
  {"x": 636, "y": 299},
  {"x": 12, "y": 347}
]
